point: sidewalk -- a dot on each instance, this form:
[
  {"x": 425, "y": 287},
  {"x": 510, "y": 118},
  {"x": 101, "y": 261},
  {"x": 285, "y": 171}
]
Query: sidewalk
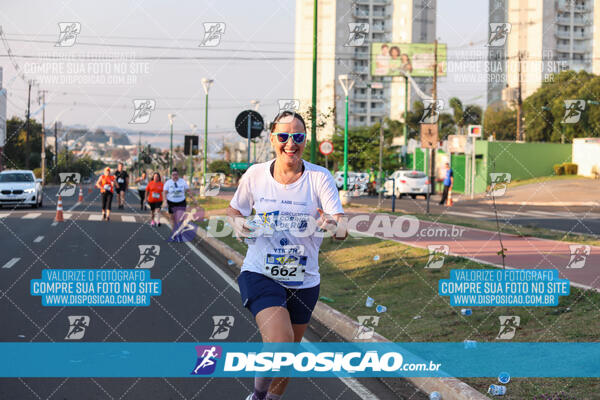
[{"x": 483, "y": 246}]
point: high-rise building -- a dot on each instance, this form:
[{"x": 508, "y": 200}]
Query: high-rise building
[
  {"x": 548, "y": 36},
  {"x": 2, "y": 118},
  {"x": 371, "y": 98}
]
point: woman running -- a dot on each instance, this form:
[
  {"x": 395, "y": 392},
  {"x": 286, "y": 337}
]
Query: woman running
[
  {"x": 288, "y": 195},
  {"x": 106, "y": 184},
  {"x": 175, "y": 190},
  {"x": 142, "y": 182},
  {"x": 154, "y": 198}
]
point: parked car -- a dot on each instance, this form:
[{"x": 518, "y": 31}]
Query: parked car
[
  {"x": 20, "y": 187},
  {"x": 408, "y": 182}
]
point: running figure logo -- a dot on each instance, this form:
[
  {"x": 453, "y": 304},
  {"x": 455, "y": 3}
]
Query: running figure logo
[
  {"x": 207, "y": 359},
  {"x": 148, "y": 254},
  {"x": 68, "y": 34},
  {"x": 68, "y": 183},
  {"x": 367, "y": 327},
  {"x": 142, "y": 108},
  {"x": 185, "y": 229},
  {"x": 223, "y": 324},
  {"x": 212, "y": 34},
  {"x": 437, "y": 253},
  {"x": 358, "y": 33},
  {"x": 573, "y": 111},
  {"x": 214, "y": 181},
  {"x": 508, "y": 327},
  {"x": 579, "y": 254},
  {"x": 77, "y": 326},
  {"x": 499, "y": 184},
  {"x": 498, "y": 33},
  {"x": 431, "y": 111},
  {"x": 292, "y": 105}
]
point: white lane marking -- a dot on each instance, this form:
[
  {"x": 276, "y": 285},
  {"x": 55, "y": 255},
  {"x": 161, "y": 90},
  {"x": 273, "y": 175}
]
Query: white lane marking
[
  {"x": 73, "y": 206},
  {"x": 95, "y": 217},
  {"x": 38, "y": 239},
  {"x": 460, "y": 214},
  {"x": 4, "y": 215},
  {"x": 31, "y": 215},
  {"x": 543, "y": 213},
  {"x": 352, "y": 383},
  {"x": 11, "y": 262},
  {"x": 127, "y": 218}
]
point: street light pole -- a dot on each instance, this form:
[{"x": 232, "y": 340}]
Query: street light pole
[
  {"x": 171, "y": 116},
  {"x": 193, "y": 127},
  {"x": 206, "y": 83},
  {"x": 347, "y": 84},
  {"x": 313, "y": 117},
  {"x": 256, "y": 104}
]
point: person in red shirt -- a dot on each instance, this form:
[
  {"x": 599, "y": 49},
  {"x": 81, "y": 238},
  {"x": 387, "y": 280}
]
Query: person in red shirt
[
  {"x": 154, "y": 198},
  {"x": 106, "y": 184}
]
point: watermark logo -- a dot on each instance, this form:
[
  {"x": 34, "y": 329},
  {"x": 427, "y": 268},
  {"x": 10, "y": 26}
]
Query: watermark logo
[
  {"x": 498, "y": 33},
  {"x": 207, "y": 359},
  {"x": 213, "y": 183},
  {"x": 573, "y": 111},
  {"x": 358, "y": 33},
  {"x": 367, "y": 327},
  {"x": 77, "y": 326},
  {"x": 500, "y": 181},
  {"x": 579, "y": 254},
  {"x": 437, "y": 255},
  {"x": 508, "y": 327},
  {"x": 292, "y": 105},
  {"x": 68, "y": 32},
  {"x": 142, "y": 108},
  {"x": 212, "y": 34},
  {"x": 68, "y": 183},
  {"x": 185, "y": 229},
  {"x": 222, "y": 326},
  {"x": 431, "y": 111},
  {"x": 148, "y": 255}
]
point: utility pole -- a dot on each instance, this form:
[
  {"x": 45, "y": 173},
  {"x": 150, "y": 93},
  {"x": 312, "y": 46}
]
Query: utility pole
[
  {"x": 56, "y": 149},
  {"x": 380, "y": 176},
  {"x": 519, "y": 103},
  {"x": 434, "y": 110},
  {"x": 27, "y": 149},
  {"x": 313, "y": 127},
  {"x": 43, "y": 136}
]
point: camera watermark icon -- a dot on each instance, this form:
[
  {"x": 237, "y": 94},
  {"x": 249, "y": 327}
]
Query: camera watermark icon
[
  {"x": 579, "y": 255},
  {"x": 68, "y": 32},
  {"x": 498, "y": 33},
  {"x": 68, "y": 183},
  {"x": 222, "y": 326},
  {"x": 212, "y": 34},
  {"x": 437, "y": 255},
  {"x": 367, "y": 327},
  {"x": 292, "y": 105},
  {"x": 508, "y": 327},
  {"x": 500, "y": 181},
  {"x": 573, "y": 111},
  {"x": 148, "y": 255},
  {"x": 214, "y": 180},
  {"x": 142, "y": 109},
  {"x": 77, "y": 326},
  {"x": 431, "y": 111},
  {"x": 358, "y": 33}
]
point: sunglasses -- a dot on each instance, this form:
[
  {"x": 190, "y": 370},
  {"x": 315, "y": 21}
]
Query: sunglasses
[{"x": 298, "y": 138}]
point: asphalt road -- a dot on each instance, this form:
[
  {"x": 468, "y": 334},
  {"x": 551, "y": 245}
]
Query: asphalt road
[{"x": 192, "y": 293}]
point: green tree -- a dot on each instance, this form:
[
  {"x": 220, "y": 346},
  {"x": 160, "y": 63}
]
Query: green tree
[
  {"x": 15, "y": 149},
  {"x": 500, "y": 123},
  {"x": 220, "y": 166},
  {"x": 464, "y": 116}
]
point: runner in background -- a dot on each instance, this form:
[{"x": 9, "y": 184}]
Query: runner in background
[
  {"x": 154, "y": 198},
  {"x": 175, "y": 190},
  {"x": 106, "y": 184},
  {"x": 122, "y": 178},
  {"x": 142, "y": 182}
]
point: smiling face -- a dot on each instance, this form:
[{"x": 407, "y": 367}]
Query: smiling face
[
  {"x": 175, "y": 175},
  {"x": 289, "y": 153}
]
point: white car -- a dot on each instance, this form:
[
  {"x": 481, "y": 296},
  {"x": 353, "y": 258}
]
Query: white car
[
  {"x": 20, "y": 187},
  {"x": 358, "y": 179},
  {"x": 408, "y": 182}
]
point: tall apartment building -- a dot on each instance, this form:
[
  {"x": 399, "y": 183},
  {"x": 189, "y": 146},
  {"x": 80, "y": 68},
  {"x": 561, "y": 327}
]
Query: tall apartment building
[
  {"x": 404, "y": 21},
  {"x": 552, "y": 35},
  {"x": 3, "y": 95}
]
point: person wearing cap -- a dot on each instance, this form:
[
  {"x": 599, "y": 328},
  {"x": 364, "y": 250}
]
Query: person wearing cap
[{"x": 106, "y": 184}]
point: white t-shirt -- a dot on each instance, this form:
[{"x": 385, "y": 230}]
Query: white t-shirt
[
  {"x": 175, "y": 190},
  {"x": 283, "y": 210}
]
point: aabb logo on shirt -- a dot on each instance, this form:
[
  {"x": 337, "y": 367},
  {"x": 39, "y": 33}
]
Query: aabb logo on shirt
[{"x": 207, "y": 359}]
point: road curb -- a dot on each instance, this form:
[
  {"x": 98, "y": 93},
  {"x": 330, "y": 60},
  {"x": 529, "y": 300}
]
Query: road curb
[
  {"x": 345, "y": 327},
  {"x": 547, "y": 203}
]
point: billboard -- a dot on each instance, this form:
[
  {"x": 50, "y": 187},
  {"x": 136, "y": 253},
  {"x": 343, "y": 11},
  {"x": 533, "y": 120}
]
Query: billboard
[{"x": 414, "y": 59}]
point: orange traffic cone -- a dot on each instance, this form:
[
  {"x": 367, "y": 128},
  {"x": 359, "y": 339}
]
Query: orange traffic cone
[
  {"x": 449, "y": 202},
  {"x": 80, "y": 199},
  {"x": 59, "y": 210}
]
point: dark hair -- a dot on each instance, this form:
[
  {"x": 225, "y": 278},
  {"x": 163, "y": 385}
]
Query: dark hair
[
  {"x": 286, "y": 113},
  {"x": 396, "y": 48},
  {"x": 159, "y": 178},
  {"x": 174, "y": 170}
]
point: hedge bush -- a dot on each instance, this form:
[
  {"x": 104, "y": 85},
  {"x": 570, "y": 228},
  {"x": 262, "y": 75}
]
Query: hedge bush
[{"x": 559, "y": 169}]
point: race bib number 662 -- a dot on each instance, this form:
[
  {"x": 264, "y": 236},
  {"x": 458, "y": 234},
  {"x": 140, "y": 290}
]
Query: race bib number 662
[{"x": 286, "y": 268}]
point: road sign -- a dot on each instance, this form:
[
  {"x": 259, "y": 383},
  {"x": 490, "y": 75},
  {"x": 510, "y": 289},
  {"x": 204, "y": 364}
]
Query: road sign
[
  {"x": 257, "y": 124},
  {"x": 429, "y": 136},
  {"x": 193, "y": 141},
  {"x": 475, "y": 130},
  {"x": 326, "y": 147},
  {"x": 239, "y": 165}
]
